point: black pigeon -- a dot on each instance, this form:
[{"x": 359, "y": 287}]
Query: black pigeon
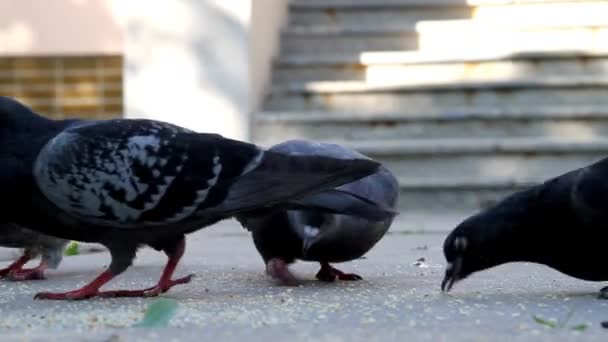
[
  {"x": 314, "y": 232},
  {"x": 128, "y": 183},
  {"x": 50, "y": 249},
  {"x": 561, "y": 223}
]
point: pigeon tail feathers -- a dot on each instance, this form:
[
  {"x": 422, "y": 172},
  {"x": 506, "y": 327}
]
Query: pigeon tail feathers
[
  {"x": 342, "y": 202},
  {"x": 280, "y": 178}
]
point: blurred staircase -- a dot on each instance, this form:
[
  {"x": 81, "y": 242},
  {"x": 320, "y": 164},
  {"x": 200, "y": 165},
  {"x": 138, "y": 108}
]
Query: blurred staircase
[{"x": 465, "y": 100}]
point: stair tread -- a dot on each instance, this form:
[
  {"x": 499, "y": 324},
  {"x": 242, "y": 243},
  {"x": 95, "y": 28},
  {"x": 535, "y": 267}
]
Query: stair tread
[
  {"x": 475, "y": 145},
  {"x": 561, "y": 112},
  {"x": 454, "y": 183},
  {"x": 322, "y": 4},
  {"x": 336, "y": 87},
  {"x": 433, "y": 57},
  {"x": 450, "y": 26}
]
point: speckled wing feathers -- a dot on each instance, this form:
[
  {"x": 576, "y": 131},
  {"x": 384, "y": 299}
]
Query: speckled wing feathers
[{"x": 138, "y": 172}]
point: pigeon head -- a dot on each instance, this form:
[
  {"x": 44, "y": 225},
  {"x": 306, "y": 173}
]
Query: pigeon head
[
  {"x": 500, "y": 234},
  {"x": 11, "y": 110},
  {"x": 13, "y": 116},
  {"x": 460, "y": 255},
  {"x": 17, "y": 118},
  {"x": 309, "y": 226}
]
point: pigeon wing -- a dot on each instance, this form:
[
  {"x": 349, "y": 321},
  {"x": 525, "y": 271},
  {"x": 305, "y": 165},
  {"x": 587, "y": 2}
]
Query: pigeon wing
[{"x": 130, "y": 173}]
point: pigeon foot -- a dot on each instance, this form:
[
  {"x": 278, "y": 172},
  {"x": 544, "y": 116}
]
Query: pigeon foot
[
  {"x": 88, "y": 291},
  {"x": 15, "y": 266},
  {"x": 36, "y": 273},
  {"x": 149, "y": 292},
  {"x": 92, "y": 289},
  {"x": 329, "y": 274},
  {"x": 278, "y": 269}
]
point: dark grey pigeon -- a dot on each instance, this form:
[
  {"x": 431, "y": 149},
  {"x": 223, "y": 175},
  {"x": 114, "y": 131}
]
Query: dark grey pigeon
[
  {"x": 129, "y": 183},
  {"x": 561, "y": 223},
  {"x": 316, "y": 234},
  {"x": 50, "y": 249}
]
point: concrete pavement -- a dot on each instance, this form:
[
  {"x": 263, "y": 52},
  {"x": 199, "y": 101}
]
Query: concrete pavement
[{"x": 231, "y": 299}]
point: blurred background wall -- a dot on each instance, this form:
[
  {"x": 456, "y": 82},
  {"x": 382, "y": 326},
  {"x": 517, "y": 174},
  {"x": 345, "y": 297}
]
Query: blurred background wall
[
  {"x": 63, "y": 57},
  {"x": 199, "y": 64},
  {"x": 465, "y": 100}
]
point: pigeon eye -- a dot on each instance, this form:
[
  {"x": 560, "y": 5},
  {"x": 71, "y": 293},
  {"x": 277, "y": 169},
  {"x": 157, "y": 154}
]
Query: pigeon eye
[{"x": 460, "y": 244}]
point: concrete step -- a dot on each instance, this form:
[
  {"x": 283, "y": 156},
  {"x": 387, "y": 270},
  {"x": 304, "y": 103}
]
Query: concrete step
[
  {"x": 548, "y": 122},
  {"x": 454, "y": 196},
  {"x": 546, "y": 13},
  {"x": 490, "y": 36},
  {"x": 441, "y": 36},
  {"x": 367, "y": 4},
  {"x": 321, "y": 41},
  {"x": 407, "y": 14},
  {"x": 455, "y": 161},
  {"x": 469, "y": 174},
  {"x": 370, "y": 4},
  {"x": 400, "y": 14},
  {"x": 397, "y": 67},
  {"x": 385, "y": 16},
  {"x": 358, "y": 97}
]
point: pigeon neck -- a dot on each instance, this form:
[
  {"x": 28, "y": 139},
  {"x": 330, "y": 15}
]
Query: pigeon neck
[{"x": 22, "y": 132}]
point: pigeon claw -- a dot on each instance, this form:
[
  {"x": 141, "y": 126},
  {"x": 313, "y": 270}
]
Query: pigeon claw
[
  {"x": 149, "y": 292},
  {"x": 90, "y": 292},
  {"x": 349, "y": 277},
  {"x": 83, "y": 293},
  {"x": 329, "y": 274}
]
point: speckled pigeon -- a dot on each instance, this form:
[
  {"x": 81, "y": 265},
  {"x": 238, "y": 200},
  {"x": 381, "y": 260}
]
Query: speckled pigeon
[
  {"x": 129, "y": 183},
  {"x": 315, "y": 234},
  {"x": 34, "y": 244}
]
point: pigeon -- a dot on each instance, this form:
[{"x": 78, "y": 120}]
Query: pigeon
[
  {"x": 129, "y": 183},
  {"x": 560, "y": 223},
  {"x": 50, "y": 249},
  {"x": 316, "y": 234}
]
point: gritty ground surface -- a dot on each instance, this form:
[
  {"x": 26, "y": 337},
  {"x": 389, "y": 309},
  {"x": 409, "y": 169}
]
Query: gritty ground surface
[{"x": 231, "y": 299}]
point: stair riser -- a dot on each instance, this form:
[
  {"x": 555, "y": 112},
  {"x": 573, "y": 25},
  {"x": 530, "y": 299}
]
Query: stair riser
[
  {"x": 477, "y": 39},
  {"x": 438, "y": 101},
  {"x": 575, "y": 12},
  {"x": 428, "y": 129},
  {"x": 448, "y": 72},
  {"x": 502, "y": 167},
  {"x": 350, "y": 72},
  {"x": 396, "y": 17},
  {"x": 312, "y": 45},
  {"x": 440, "y": 200},
  {"x": 530, "y": 14}
]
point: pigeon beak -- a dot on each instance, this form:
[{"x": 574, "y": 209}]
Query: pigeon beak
[
  {"x": 306, "y": 246},
  {"x": 452, "y": 275}
]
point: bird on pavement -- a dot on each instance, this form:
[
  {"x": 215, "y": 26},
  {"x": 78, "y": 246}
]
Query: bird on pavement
[
  {"x": 129, "y": 183},
  {"x": 315, "y": 234},
  {"x": 561, "y": 223},
  {"x": 50, "y": 249}
]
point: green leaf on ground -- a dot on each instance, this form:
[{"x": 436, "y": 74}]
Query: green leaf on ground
[
  {"x": 545, "y": 322},
  {"x": 580, "y": 327},
  {"x": 72, "y": 249},
  {"x": 159, "y": 313},
  {"x": 562, "y": 323}
]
